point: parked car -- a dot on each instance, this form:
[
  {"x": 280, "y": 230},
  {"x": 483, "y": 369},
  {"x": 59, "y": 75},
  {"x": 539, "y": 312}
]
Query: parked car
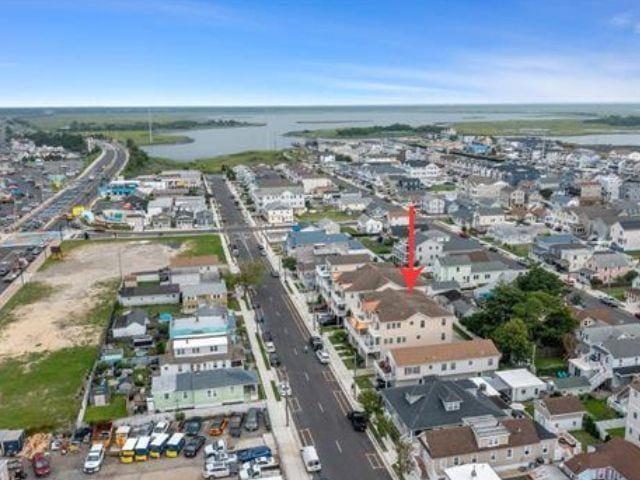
[
  {"x": 274, "y": 360},
  {"x": 192, "y": 426},
  {"x": 270, "y": 347},
  {"x": 235, "y": 424},
  {"x": 284, "y": 389},
  {"x": 358, "y": 420},
  {"x": 323, "y": 356},
  {"x": 193, "y": 446},
  {"x": 251, "y": 420},
  {"x": 41, "y": 465},
  {"x": 609, "y": 302},
  {"x": 94, "y": 459},
  {"x": 266, "y": 336},
  {"x": 275, "y": 273},
  {"x": 315, "y": 343},
  {"x": 248, "y": 454},
  {"x": 217, "y": 426}
]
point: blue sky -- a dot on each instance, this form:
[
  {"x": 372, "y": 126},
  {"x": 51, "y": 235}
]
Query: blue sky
[{"x": 197, "y": 52}]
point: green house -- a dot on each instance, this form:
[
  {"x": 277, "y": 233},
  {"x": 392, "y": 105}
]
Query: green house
[{"x": 206, "y": 388}]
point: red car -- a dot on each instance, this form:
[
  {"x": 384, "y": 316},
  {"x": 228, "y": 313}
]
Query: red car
[{"x": 41, "y": 465}]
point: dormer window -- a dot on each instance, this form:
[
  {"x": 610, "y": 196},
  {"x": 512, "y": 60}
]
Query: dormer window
[{"x": 451, "y": 406}]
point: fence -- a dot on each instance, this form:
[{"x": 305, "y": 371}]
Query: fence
[{"x": 603, "y": 425}]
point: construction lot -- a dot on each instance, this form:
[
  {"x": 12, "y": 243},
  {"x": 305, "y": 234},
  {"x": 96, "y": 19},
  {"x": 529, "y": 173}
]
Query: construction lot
[{"x": 50, "y": 331}]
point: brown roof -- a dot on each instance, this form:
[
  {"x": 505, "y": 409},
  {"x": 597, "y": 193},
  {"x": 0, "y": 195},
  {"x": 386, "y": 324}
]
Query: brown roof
[
  {"x": 563, "y": 405},
  {"x": 373, "y": 276},
  {"x": 448, "y": 442},
  {"x": 479, "y": 348},
  {"x": 199, "y": 261},
  {"x": 348, "y": 259},
  {"x": 617, "y": 453},
  {"x": 600, "y": 314},
  {"x": 393, "y": 305}
]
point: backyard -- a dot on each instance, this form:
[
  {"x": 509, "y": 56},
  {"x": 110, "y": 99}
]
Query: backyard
[
  {"x": 598, "y": 408},
  {"x": 335, "y": 215}
]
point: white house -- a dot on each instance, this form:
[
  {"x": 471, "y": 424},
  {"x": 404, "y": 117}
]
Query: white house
[
  {"x": 369, "y": 225},
  {"x": 277, "y": 213},
  {"x": 559, "y": 414},
  {"x": 519, "y": 384},
  {"x": 484, "y": 218},
  {"x": 632, "y": 426},
  {"x": 408, "y": 365},
  {"x": 132, "y": 323},
  {"x": 432, "y": 204},
  {"x": 625, "y": 234},
  {"x": 290, "y": 196}
]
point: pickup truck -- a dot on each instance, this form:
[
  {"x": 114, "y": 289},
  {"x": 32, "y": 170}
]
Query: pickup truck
[{"x": 102, "y": 434}]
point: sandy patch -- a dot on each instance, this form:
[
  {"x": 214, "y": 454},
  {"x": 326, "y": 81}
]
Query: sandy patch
[{"x": 79, "y": 282}]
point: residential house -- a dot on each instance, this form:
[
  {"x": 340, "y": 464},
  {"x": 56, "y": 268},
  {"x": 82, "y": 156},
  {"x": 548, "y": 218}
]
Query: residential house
[
  {"x": 632, "y": 423},
  {"x": 203, "y": 294},
  {"x": 208, "y": 388},
  {"x": 313, "y": 184},
  {"x": 472, "y": 269},
  {"x": 432, "y": 204},
  {"x": 559, "y": 414},
  {"x": 131, "y": 323},
  {"x": 607, "y": 266},
  {"x": 486, "y": 217},
  {"x": 505, "y": 444},
  {"x": 278, "y": 214},
  {"x": 389, "y": 317},
  {"x": 369, "y": 225},
  {"x": 570, "y": 257},
  {"x": 625, "y": 234},
  {"x": 352, "y": 202},
  {"x": 506, "y": 234},
  {"x": 290, "y": 196},
  {"x": 483, "y": 187},
  {"x": 166, "y": 294},
  {"x": 408, "y": 365},
  {"x": 329, "y": 226},
  {"x": 519, "y": 384},
  {"x": 428, "y": 405},
  {"x": 511, "y": 197},
  {"x": 429, "y": 245},
  {"x": 616, "y": 460}
]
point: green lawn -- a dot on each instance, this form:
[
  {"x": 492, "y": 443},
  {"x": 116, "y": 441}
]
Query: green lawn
[
  {"x": 616, "y": 292},
  {"x": 585, "y": 439},
  {"x": 550, "y": 365},
  {"x": 154, "y": 310},
  {"x": 29, "y": 293},
  {"x": 598, "y": 409},
  {"x": 377, "y": 247},
  {"x": 196, "y": 245},
  {"x": 233, "y": 304},
  {"x": 249, "y": 158},
  {"x": 364, "y": 382},
  {"x": 42, "y": 392},
  {"x": 276, "y": 392},
  {"x": 441, "y": 188},
  {"x": 263, "y": 352},
  {"x": 521, "y": 250},
  {"x": 616, "y": 432},
  {"x": 334, "y": 215},
  {"x": 116, "y": 409}
]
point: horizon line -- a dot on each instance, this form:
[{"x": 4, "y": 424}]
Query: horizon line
[{"x": 318, "y": 105}]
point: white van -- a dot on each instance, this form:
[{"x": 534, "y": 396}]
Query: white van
[
  {"x": 310, "y": 459},
  {"x": 216, "y": 470}
]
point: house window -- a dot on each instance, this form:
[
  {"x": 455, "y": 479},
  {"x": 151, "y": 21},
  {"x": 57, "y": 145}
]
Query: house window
[
  {"x": 443, "y": 367},
  {"x": 209, "y": 393},
  {"x": 166, "y": 396},
  {"x": 545, "y": 450},
  {"x": 470, "y": 362},
  {"x": 456, "y": 461},
  {"x": 490, "y": 361},
  {"x": 509, "y": 453},
  {"x": 443, "y": 336},
  {"x": 421, "y": 323},
  {"x": 527, "y": 451},
  {"x": 493, "y": 456},
  {"x": 185, "y": 395},
  {"x": 453, "y": 365},
  {"x": 444, "y": 322}
]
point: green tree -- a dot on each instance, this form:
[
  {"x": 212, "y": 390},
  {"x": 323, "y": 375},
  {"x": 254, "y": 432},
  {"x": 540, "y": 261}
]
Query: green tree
[
  {"x": 556, "y": 325},
  {"x": 513, "y": 341},
  {"x": 250, "y": 274},
  {"x": 404, "y": 463},
  {"x": 370, "y": 402},
  {"x": 538, "y": 279},
  {"x": 290, "y": 263}
]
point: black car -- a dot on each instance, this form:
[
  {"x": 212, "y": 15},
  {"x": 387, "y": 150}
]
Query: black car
[
  {"x": 358, "y": 420},
  {"x": 235, "y": 424},
  {"x": 255, "y": 304},
  {"x": 315, "y": 343},
  {"x": 193, "y": 426},
  {"x": 193, "y": 446},
  {"x": 266, "y": 336},
  {"x": 274, "y": 360}
]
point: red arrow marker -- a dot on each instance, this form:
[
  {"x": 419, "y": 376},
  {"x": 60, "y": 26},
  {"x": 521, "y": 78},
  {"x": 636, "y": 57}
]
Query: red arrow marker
[{"x": 410, "y": 273}]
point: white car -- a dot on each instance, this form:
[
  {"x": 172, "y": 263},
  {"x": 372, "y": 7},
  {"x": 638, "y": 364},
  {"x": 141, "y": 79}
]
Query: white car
[
  {"x": 95, "y": 457},
  {"x": 285, "y": 389},
  {"x": 270, "y": 347},
  {"x": 323, "y": 356}
]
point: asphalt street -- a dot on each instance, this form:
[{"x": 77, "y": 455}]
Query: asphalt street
[{"x": 318, "y": 405}]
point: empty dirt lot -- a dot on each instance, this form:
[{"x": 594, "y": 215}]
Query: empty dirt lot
[{"x": 88, "y": 276}]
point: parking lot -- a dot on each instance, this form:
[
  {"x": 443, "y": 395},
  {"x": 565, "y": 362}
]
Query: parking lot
[{"x": 70, "y": 466}]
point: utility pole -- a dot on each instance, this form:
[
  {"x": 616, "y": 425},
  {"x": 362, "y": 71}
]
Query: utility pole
[{"x": 150, "y": 129}]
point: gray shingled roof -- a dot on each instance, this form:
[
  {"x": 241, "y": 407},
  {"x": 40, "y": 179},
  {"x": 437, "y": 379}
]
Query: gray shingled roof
[
  {"x": 217, "y": 378},
  {"x": 420, "y": 407}
]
